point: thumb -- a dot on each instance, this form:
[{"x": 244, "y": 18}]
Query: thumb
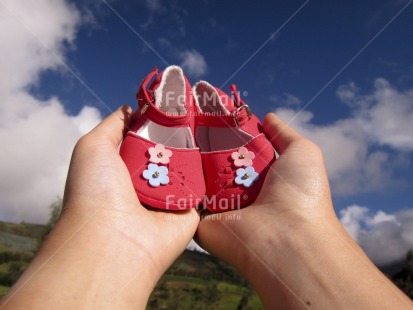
[{"x": 280, "y": 134}]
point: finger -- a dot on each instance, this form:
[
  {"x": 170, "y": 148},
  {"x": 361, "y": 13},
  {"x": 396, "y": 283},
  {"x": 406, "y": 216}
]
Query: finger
[
  {"x": 113, "y": 127},
  {"x": 280, "y": 134}
]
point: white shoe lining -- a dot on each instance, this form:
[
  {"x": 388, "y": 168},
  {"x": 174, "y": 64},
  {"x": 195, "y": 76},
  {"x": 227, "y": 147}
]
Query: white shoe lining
[
  {"x": 179, "y": 137},
  {"x": 211, "y": 139},
  {"x": 170, "y": 98}
]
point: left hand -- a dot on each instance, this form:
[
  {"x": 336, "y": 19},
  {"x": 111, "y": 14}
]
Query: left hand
[{"x": 106, "y": 250}]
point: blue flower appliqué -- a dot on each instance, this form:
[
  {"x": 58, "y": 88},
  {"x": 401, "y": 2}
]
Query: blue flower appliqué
[
  {"x": 246, "y": 176},
  {"x": 156, "y": 175}
]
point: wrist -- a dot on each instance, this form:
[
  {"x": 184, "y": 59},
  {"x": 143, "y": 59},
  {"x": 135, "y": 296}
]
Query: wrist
[
  {"x": 279, "y": 251},
  {"x": 315, "y": 263},
  {"x": 89, "y": 264},
  {"x": 266, "y": 236},
  {"x": 283, "y": 239}
]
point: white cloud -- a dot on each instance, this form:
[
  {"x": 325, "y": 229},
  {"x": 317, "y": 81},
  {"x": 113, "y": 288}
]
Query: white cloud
[
  {"x": 193, "y": 63},
  {"x": 354, "y": 161},
  {"x": 23, "y": 56},
  {"x": 386, "y": 115},
  {"x": 386, "y": 238},
  {"x": 36, "y": 136}
]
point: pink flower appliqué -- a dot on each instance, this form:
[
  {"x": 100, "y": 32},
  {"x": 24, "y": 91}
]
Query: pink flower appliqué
[
  {"x": 159, "y": 155},
  {"x": 243, "y": 158}
]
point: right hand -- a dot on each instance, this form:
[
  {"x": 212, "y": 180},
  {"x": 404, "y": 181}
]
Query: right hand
[
  {"x": 290, "y": 245},
  {"x": 295, "y": 190}
]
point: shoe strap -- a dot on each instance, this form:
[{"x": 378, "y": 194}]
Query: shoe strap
[
  {"x": 237, "y": 117},
  {"x": 147, "y": 107}
]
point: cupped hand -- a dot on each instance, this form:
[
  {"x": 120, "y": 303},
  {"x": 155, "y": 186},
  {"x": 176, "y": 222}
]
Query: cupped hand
[
  {"x": 290, "y": 244},
  {"x": 99, "y": 190},
  {"x": 296, "y": 189},
  {"x": 106, "y": 249}
]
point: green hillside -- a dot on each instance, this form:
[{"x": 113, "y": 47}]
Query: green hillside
[
  {"x": 200, "y": 281},
  {"x": 22, "y": 229},
  {"x": 12, "y": 242},
  {"x": 195, "y": 280}
]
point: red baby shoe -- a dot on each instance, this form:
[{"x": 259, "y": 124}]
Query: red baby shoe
[
  {"x": 236, "y": 155},
  {"x": 159, "y": 150}
]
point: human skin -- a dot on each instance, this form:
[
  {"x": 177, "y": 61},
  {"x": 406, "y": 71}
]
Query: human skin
[
  {"x": 107, "y": 251},
  {"x": 290, "y": 244}
]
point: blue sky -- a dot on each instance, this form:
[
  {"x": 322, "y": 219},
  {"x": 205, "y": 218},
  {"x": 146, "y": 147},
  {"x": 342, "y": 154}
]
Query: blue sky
[
  {"x": 345, "y": 67},
  {"x": 309, "y": 50},
  {"x": 303, "y": 56}
]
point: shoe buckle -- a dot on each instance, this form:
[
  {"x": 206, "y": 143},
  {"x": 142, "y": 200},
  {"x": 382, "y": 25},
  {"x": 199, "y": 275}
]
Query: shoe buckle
[
  {"x": 247, "y": 109},
  {"x": 145, "y": 107},
  {"x": 147, "y": 104}
]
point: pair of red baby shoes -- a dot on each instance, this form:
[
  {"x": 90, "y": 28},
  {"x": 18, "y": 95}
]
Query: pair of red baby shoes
[{"x": 188, "y": 147}]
